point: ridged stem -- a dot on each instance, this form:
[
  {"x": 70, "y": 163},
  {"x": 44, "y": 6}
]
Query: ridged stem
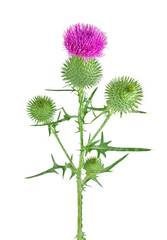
[{"x": 81, "y": 163}]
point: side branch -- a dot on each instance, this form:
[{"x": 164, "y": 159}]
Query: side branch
[
  {"x": 100, "y": 128},
  {"x": 60, "y": 143}
]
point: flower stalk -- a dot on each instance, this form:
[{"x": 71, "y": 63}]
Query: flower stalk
[
  {"x": 81, "y": 163},
  {"x": 63, "y": 148},
  {"x": 100, "y": 128}
]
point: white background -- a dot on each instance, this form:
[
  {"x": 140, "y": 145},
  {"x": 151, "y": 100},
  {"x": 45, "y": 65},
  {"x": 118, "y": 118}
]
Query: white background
[{"x": 132, "y": 204}]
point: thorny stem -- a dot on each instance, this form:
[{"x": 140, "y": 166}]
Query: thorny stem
[
  {"x": 81, "y": 163},
  {"x": 60, "y": 143}
]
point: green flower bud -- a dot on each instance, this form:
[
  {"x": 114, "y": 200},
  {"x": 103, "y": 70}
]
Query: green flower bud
[
  {"x": 81, "y": 73},
  {"x": 41, "y": 109},
  {"x": 123, "y": 94},
  {"x": 93, "y": 166}
]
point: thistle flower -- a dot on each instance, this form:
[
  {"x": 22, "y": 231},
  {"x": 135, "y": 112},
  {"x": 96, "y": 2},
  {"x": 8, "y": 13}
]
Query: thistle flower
[
  {"x": 123, "y": 94},
  {"x": 85, "y": 40},
  {"x": 80, "y": 73},
  {"x": 93, "y": 166},
  {"x": 41, "y": 109}
]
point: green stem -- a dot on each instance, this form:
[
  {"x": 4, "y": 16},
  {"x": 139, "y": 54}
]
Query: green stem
[
  {"x": 60, "y": 143},
  {"x": 81, "y": 163},
  {"x": 100, "y": 128}
]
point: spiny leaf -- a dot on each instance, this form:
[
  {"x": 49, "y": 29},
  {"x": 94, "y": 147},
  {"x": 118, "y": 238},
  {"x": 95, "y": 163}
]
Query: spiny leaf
[
  {"x": 88, "y": 101},
  {"x": 138, "y": 112},
  {"x": 90, "y": 147},
  {"x": 119, "y": 149},
  {"x": 72, "y": 175},
  {"x": 107, "y": 169},
  {"x": 95, "y": 179},
  {"x": 66, "y": 115},
  {"x": 102, "y": 146},
  {"x": 61, "y": 90},
  {"x": 49, "y": 130},
  {"x": 73, "y": 172},
  {"x": 59, "y": 116},
  {"x": 88, "y": 178},
  {"x": 51, "y": 170},
  {"x": 56, "y": 166}
]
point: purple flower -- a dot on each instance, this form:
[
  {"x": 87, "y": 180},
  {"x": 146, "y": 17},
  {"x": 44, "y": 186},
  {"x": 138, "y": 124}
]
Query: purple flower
[{"x": 85, "y": 40}]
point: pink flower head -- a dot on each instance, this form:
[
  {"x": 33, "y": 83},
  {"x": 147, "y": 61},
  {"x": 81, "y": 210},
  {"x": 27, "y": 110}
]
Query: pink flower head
[{"x": 85, "y": 40}]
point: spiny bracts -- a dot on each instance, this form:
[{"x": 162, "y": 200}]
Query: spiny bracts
[
  {"x": 123, "y": 94},
  {"x": 79, "y": 73},
  {"x": 93, "y": 166},
  {"x": 41, "y": 109}
]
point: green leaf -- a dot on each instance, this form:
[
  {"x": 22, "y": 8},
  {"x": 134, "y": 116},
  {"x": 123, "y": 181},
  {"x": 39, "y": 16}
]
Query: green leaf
[
  {"x": 107, "y": 169},
  {"x": 136, "y": 111},
  {"x": 91, "y": 147},
  {"x": 88, "y": 178},
  {"x": 70, "y": 166},
  {"x": 103, "y": 147},
  {"x": 56, "y": 166},
  {"x": 95, "y": 179},
  {"x": 67, "y": 117},
  {"x": 118, "y": 149},
  {"x": 50, "y": 170},
  {"x": 49, "y": 130},
  {"x": 88, "y": 101},
  {"x": 61, "y": 90},
  {"x": 58, "y": 118}
]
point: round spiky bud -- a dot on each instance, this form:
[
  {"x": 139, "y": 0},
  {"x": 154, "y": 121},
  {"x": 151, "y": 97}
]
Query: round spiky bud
[
  {"x": 80, "y": 73},
  {"x": 93, "y": 166},
  {"x": 41, "y": 109},
  {"x": 123, "y": 94}
]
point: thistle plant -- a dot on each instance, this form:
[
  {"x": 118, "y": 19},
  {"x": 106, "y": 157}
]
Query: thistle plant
[{"x": 82, "y": 71}]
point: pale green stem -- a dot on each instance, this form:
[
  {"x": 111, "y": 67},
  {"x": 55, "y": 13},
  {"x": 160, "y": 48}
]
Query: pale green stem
[
  {"x": 60, "y": 143},
  {"x": 81, "y": 163}
]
